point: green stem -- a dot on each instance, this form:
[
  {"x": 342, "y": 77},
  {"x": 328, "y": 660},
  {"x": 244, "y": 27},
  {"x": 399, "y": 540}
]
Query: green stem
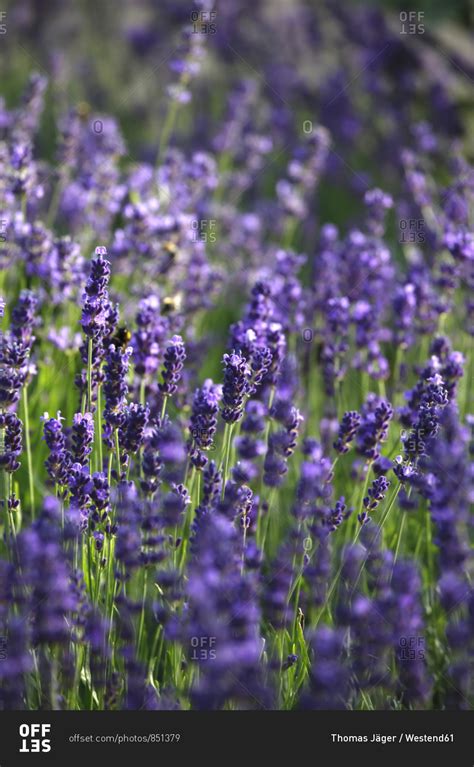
[
  {"x": 227, "y": 445},
  {"x": 429, "y": 550},
  {"x": 54, "y": 681},
  {"x": 167, "y": 128},
  {"x": 170, "y": 120},
  {"x": 109, "y": 469},
  {"x": 267, "y": 432},
  {"x": 153, "y": 652},
  {"x": 6, "y": 488},
  {"x": 227, "y": 457},
  {"x": 142, "y": 402},
  {"x": 99, "y": 427},
  {"x": 399, "y": 539},
  {"x": 31, "y": 482},
  {"x": 194, "y": 480},
  {"x": 198, "y": 490},
  {"x": 110, "y": 586},
  {"x": 142, "y": 613},
  {"x": 89, "y": 566},
  {"x": 98, "y": 574},
  {"x": 55, "y": 200},
  {"x": 244, "y": 545},
  {"x": 263, "y": 527},
  {"x": 360, "y": 504},
  {"x": 142, "y": 391},
  {"x": 163, "y": 407},
  {"x": 365, "y": 487},
  {"x": 89, "y": 374},
  {"x": 117, "y": 452}
]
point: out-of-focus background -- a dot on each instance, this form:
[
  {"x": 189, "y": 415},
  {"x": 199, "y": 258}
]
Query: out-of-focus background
[{"x": 114, "y": 55}]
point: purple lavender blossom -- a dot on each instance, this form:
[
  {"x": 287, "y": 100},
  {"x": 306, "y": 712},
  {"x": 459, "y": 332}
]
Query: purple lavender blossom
[
  {"x": 376, "y": 416},
  {"x": 132, "y": 432},
  {"x": 11, "y": 427},
  {"x": 329, "y": 678},
  {"x": 281, "y": 444},
  {"x": 96, "y": 300},
  {"x": 115, "y": 389},
  {"x": 236, "y": 387},
  {"x": 82, "y": 437},
  {"x": 49, "y": 594},
  {"x": 376, "y": 493},
  {"x": 23, "y": 317},
  {"x": 174, "y": 357},
  {"x": 203, "y": 423},
  {"x": 148, "y": 340},
  {"x": 377, "y": 202},
  {"x": 347, "y": 430},
  {"x": 59, "y": 458},
  {"x": 223, "y": 605},
  {"x": 22, "y": 176}
]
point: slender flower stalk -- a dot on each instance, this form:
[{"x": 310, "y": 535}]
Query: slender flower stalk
[{"x": 29, "y": 457}]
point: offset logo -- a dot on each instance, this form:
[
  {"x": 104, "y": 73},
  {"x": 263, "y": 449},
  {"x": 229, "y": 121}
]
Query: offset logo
[
  {"x": 412, "y": 23},
  {"x": 204, "y": 22},
  {"x": 35, "y": 738}
]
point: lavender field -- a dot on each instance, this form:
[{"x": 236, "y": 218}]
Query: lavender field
[{"x": 236, "y": 356}]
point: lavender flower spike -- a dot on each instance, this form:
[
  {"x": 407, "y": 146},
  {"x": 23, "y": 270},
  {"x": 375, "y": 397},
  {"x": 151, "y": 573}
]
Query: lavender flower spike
[
  {"x": 95, "y": 300},
  {"x": 174, "y": 360},
  {"x": 237, "y": 375},
  {"x": 350, "y": 422},
  {"x": 82, "y": 437}
]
